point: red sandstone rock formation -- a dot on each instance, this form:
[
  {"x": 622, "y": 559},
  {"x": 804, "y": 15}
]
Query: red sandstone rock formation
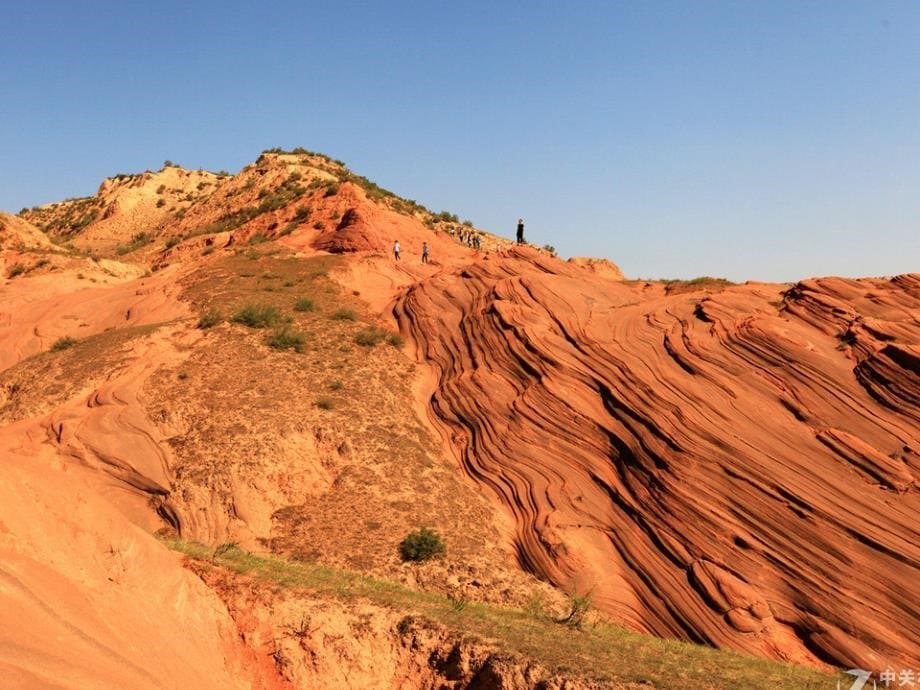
[{"x": 737, "y": 468}]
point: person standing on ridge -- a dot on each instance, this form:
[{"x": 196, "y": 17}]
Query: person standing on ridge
[
  {"x": 424, "y": 252},
  {"x": 520, "y": 231},
  {"x": 396, "y": 250}
]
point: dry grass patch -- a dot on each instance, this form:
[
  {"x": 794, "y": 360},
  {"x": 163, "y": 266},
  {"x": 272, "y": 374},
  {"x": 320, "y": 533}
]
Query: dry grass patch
[{"x": 601, "y": 652}]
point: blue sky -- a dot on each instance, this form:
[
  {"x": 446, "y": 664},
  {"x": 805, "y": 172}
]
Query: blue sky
[{"x": 752, "y": 140}]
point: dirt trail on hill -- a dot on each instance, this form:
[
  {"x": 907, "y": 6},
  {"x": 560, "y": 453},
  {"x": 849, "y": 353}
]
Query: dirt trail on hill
[{"x": 736, "y": 468}]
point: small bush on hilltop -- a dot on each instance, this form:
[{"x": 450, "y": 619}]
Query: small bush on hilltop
[
  {"x": 447, "y": 217},
  {"x": 421, "y": 545},
  {"x": 257, "y": 316}
]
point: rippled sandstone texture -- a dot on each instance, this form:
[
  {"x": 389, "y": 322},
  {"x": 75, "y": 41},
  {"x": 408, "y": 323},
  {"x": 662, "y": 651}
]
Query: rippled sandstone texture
[{"x": 736, "y": 467}]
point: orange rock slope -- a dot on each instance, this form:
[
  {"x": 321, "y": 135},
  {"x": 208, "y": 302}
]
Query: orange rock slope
[
  {"x": 732, "y": 465},
  {"x": 736, "y": 467}
]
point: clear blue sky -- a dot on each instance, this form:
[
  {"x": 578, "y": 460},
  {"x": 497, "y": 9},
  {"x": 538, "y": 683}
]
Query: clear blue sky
[{"x": 768, "y": 140}]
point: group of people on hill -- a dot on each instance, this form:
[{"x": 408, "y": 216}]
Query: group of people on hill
[
  {"x": 470, "y": 238},
  {"x": 397, "y": 250},
  {"x": 466, "y": 236}
]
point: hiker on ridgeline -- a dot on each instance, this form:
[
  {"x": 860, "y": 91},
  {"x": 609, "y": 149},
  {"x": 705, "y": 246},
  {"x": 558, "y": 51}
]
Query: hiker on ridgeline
[
  {"x": 424, "y": 252},
  {"x": 396, "y": 250},
  {"x": 520, "y": 231}
]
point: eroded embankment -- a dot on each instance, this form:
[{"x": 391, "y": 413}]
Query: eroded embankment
[{"x": 736, "y": 468}]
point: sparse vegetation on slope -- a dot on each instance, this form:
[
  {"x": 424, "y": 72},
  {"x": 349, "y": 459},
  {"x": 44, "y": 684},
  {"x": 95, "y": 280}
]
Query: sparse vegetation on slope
[
  {"x": 138, "y": 240},
  {"x": 599, "y": 651}
]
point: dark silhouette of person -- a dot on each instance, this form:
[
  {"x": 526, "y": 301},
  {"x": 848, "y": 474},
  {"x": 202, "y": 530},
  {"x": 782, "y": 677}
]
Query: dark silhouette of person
[
  {"x": 520, "y": 231},
  {"x": 424, "y": 252}
]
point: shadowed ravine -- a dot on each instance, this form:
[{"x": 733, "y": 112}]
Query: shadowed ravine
[{"x": 737, "y": 468}]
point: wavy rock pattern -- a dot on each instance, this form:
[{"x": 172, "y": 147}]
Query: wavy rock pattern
[{"x": 737, "y": 468}]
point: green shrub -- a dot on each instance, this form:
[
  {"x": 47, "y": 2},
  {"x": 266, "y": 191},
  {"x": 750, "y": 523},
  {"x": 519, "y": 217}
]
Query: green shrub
[
  {"x": 343, "y": 315},
  {"x": 63, "y": 343},
  {"x": 318, "y": 225},
  {"x": 579, "y": 605},
  {"x": 209, "y": 319},
  {"x": 395, "y": 339},
  {"x": 138, "y": 240},
  {"x": 257, "y": 316},
  {"x": 16, "y": 270},
  {"x": 369, "y": 337},
  {"x": 421, "y": 545},
  {"x": 324, "y": 403},
  {"x": 161, "y": 203},
  {"x": 446, "y": 217},
  {"x": 304, "y": 304},
  {"x": 335, "y": 385},
  {"x": 286, "y": 339},
  {"x": 161, "y": 189},
  {"x": 173, "y": 241}
]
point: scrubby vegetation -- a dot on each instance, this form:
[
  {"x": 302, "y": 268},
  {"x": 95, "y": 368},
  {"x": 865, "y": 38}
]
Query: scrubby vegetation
[
  {"x": 286, "y": 192},
  {"x": 63, "y": 343},
  {"x": 304, "y": 304},
  {"x": 699, "y": 283},
  {"x": 138, "y": 240},
  {"x": 600, "y": 651},
  {"x": 343, "y": 315},
  {"x": 286, "y": 339},
  {"x": 421, "y": 545},
  {"x": 370, "y": 336},
  {"x": 258, "y": 316},
  {"x": 67, "y": 217},
  {"x": 16, "y": 270},
  {"x": 209, "y": 319}
]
